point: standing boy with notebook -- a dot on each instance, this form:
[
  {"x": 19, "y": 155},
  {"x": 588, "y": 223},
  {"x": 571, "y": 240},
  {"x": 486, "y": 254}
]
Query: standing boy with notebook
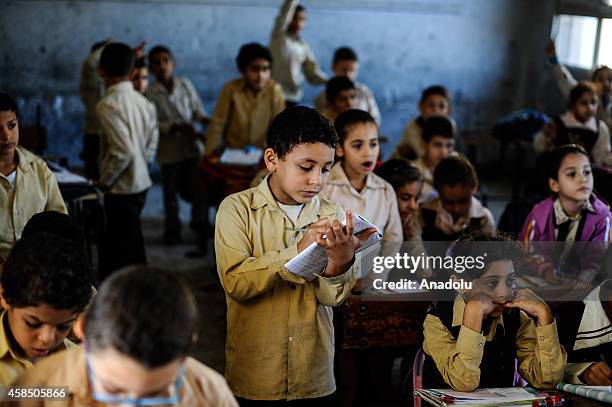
[{"x": 280, "y": 342}]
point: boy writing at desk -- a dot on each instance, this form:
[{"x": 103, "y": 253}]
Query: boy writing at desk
[{"x": 279, "y": 326}]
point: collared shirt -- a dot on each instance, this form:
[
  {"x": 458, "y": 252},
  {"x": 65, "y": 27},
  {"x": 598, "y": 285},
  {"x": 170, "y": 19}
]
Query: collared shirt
[
  {"x": 445, "y": 222},
  {"x": 561, "y": 217},
  {"x": 412, "y": 138},
  {"x": 181, "y": 106},
  {"x": 91, "y": 89},
  {"x": 376, "y": 201},
  {"x": 594, "y": 330},
  {"x": 428, "y": 192},
  {"x": 541, "y": 358},
  {"x": 13, "y": 364},
  {"x": 35, "y": 190},
  {"x": 129, "y": 139},
  {"x": 365, "y": 101},
  {"x": 601, "y": 152},
  {"x": 280, "y": 336},
  {"x": 292, "y": 56},
  {"x": 201, "y": 385},
  {"x": 242, "y": 117}
]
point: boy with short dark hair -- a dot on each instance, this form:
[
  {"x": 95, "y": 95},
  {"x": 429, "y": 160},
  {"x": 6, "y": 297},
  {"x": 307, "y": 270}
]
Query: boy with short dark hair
[
  {"x": 179, "y": 107},
  {"x": 247, "y": 105},
  {"x": 45, "y": 285},
  {"x": 279, "y": 326},
  {"x": 139, "y": 331},
  {"x": 341, "y": 96},
  {"x": 455, "y": 210},
  {"x": 491, "y": 327},
  {"x": 346, "y": 64},
  {"x": 27, "y": 185},
  {"x": 435, "y": 101},
  {"x": 129, "y": 140},
  {"x": 140, "y": 76},
  {"x": 439, "y": 140},
  {"x": 292, "y": 56}
]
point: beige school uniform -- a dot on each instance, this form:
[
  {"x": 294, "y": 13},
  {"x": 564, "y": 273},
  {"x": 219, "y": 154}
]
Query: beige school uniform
[
  {"x": 280, "y": 337},
  {"x": 242, "y": 117},
  {"x": 201, "y": 385},
  {"x": 35, "y": 190}
]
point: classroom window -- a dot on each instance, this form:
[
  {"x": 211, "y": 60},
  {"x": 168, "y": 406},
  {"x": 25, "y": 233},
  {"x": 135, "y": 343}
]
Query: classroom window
[
  {"x": 604, "y": 56},
  {"x": 575, "y": 40}
]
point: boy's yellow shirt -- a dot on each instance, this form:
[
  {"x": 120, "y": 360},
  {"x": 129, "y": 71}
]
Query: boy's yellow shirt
[
  {"x": 11, "y": 363},
  {"x": 280, "y": 337}
]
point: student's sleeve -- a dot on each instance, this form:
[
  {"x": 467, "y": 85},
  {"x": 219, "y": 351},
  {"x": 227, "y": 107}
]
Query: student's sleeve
[
  {"x": 311, "y": 68},
  {"x": 458, "y": 360},
  {"x": 153, "y": 139},
  {"x": 405, "y": 142},
  {"x": 372, "y": 105},
  {"x": 601, "y": 152},
  {"x": 320, "y": 102},
  {"x": 284, "y": 17},
  {"x": 120, "y": 151},
  {"x": 565, "y": 80},
  {"x": 573, "y": 371},
  {"x": 278, "y": 102},
  {"x": 242, "y": 275},
  {"x": 541, "y": 357},
  {"x": 542, "y": 143},
  {"x": 393, "y": 229},
  {"x": 55, "y": 202},
  {"x": 489, "y": 222},
  {"x": 196, "y": 102},
  {"x": 220, "y": 118}
]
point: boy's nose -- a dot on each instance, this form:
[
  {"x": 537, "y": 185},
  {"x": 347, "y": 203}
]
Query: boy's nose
[
  {"x": 47, "y": 335},
  {"x": 315, "y": 179}
]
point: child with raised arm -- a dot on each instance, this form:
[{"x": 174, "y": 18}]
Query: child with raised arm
[{"x": 292, "y": 56}]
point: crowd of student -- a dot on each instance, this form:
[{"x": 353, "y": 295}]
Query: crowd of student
[{"x": 321, "y": 166}]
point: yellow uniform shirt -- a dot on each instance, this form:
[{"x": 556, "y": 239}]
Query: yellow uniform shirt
[
  {"x": 280, "y": 337},
  {"x": 11, "y": 363},
  {"x": 541, "y": 359},
  {"x": 201, "y": 385},
  {"x": 35, "y": 190},
  {"x": 242, "y": 117}
]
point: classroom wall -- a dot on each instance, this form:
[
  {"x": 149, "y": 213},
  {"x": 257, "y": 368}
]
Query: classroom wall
[{"x": 489, "y": 53}]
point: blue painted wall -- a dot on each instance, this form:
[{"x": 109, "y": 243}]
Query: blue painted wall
[{"x": 489, "y": 53}]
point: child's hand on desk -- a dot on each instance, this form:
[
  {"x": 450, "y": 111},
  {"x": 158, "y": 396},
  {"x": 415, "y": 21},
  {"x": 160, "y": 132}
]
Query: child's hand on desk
[
  {"x": 598, "y": 374},
  {"x": 311, "y": 234},
  {"x": 533, "y": 305},
  {"x": 340, "y": 244}
]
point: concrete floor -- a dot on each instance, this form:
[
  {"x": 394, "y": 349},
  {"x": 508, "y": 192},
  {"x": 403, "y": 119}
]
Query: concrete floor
[{"x": 200, "y": 275}]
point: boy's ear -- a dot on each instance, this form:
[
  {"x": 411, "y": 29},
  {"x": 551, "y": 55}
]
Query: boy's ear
[
  {"x": 339, "y": 150},
  {"x": 553, "y": 185},
  {"x": 3, "y": 303},
  {"x": 133, "y": 74},
  {"x": 100, "y": 72},
  {"x": 271, "y": 159},
  {"x": 420, "y": 107}
]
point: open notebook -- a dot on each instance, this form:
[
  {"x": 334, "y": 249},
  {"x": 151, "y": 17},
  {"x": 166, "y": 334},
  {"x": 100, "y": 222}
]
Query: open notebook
[
  {"x": 506, "y": 396},
  {"x": 312, "y": 260}
]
